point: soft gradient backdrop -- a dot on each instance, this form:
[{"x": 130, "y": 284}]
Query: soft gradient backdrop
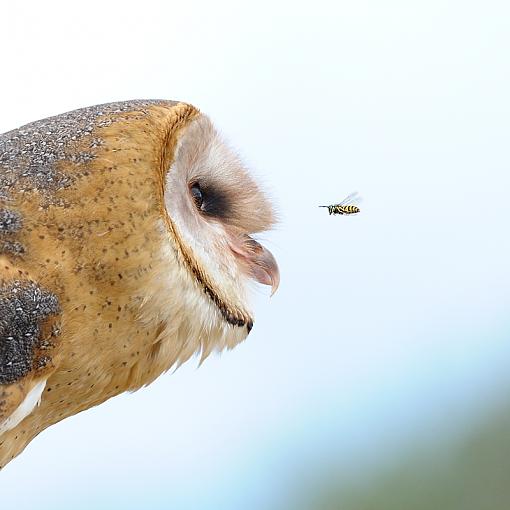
[{"x": 389, "y": 334}]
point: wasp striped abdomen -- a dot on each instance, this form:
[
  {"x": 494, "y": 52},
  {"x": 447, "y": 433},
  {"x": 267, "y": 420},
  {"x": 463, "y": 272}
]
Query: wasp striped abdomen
[{"x": 343, "y": 209}]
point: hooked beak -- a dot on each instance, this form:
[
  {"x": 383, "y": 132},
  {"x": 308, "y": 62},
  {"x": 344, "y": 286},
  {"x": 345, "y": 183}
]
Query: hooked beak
[{"x": 258, "y": 261}]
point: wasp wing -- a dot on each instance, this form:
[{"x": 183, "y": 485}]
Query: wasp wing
[{"x": 352, "y": 199}]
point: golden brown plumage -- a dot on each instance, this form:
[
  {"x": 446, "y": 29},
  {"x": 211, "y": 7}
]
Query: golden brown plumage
[{"x": 124, "y": 249}]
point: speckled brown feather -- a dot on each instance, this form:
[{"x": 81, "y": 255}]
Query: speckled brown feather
[{"x": 92, "y": 238}]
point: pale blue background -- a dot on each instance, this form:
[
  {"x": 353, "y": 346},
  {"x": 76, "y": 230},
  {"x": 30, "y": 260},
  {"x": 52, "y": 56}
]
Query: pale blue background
[{"x": 389, "y": 328}]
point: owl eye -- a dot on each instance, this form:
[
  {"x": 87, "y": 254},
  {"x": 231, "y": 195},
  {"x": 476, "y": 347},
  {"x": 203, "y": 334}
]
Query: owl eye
[
  {"x": 209, "y": 200},
  {"x": 197, "y": 195}
]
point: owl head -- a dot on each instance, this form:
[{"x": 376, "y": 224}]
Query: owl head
[{"x": 126, "y": 246}]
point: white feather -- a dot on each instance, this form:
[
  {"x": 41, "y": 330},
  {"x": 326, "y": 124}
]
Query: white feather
[{"x": 25, "y": 408}]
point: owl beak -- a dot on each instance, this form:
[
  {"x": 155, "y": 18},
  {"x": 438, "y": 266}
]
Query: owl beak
[
  {"x": 265, "y": 269},
  {"x": 259, "y": 262}
]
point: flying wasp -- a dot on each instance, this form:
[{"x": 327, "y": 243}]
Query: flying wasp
[{"x": 346, "y": 206}]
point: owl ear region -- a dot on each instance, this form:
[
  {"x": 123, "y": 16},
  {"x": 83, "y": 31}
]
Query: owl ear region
[{"x": 258, "y": 262}]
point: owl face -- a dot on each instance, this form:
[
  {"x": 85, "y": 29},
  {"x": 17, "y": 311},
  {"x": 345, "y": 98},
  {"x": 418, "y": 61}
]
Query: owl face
[{"x": 213, "y": 208}]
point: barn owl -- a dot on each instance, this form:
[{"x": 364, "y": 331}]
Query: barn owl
[{"x": 126, "y": 246}]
